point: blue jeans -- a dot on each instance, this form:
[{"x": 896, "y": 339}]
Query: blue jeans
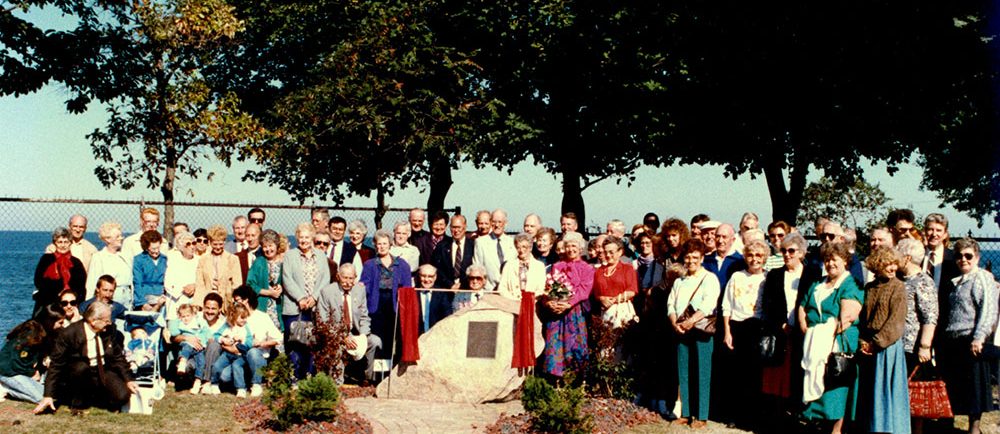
[
  {"x": 195, "y": 358},
  {"x": 255, "y": 360},
  {"x": 225, "y": 360},
  {"x": 23, "y": 387}
]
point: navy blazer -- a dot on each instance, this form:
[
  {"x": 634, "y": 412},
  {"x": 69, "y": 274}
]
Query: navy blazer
[
  {"x": 370, "y": 276},
  {"x": 731, "y": 264},
  {"x": 425, "y": 245},
  {"x": 441, "y": 260}
]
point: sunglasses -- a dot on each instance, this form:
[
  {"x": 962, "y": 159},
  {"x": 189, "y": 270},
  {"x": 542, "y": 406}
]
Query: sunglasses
[
  {"x": 477, "y": 278},
  {"x": 828, "y": 237},
  {"x": 201, "y": 240},
  {"x": 188, "y": 244},
  {"x": 65, "y": 303},
  {"x": 256, "y": 220},
  {"x": 321, "y": 243},
  {"x": 967, "y": 256},
  {"x": 792, "y": 251}
]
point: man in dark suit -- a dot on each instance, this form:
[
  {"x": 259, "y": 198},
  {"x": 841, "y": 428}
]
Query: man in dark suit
[
  {"x": 88, "y": 366},
  {"x": 939, "y": 262},
  {"x": 417, "y": 231},
  {"x": 427, "y": 243},
  {"x": 452, "y": 257},
  {"x": 341, "y": 251},
  {"x": 330, "y": 307},
  {"x": 249, "y": 254}
]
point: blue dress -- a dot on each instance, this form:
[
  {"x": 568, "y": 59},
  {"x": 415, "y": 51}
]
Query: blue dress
[{"x": 838, "y": 402}]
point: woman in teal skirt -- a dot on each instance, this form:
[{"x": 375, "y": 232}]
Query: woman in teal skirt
[
  {"x": 883, "y": 396},
  {"x": 835, "y": 303}
]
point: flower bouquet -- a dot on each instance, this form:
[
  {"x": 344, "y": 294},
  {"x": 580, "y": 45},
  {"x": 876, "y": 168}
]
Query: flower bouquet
[{"x": 557, "y": 286}]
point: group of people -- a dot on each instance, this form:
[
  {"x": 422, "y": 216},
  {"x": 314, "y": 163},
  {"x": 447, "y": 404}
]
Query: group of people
[{"x": 702, "y": 296}]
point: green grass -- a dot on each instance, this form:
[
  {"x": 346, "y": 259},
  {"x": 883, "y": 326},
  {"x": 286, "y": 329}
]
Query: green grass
[{"x": 176, "y": 413}]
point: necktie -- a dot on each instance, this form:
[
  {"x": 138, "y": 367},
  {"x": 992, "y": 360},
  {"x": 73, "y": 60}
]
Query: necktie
[
  {"x": 930, "y": 264},
  {"x": 499, "y": 251},
  {"x": 346, "y": 317},
  {"x": 100, "y": 358},
  {"x": 333, "y": 248},
  {"x": 523, "y": 275},
  {"x": 458, "y": 259}
]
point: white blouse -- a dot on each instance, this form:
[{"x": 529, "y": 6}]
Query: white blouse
[{"x": 743, "y": 294}]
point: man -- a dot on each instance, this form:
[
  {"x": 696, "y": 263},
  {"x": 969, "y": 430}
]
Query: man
[
  {"x": 340, "y": 251},
  {"x": 321, "y": 218},
  {"x": 616, "y": 228},
  {"x": 482, "y": 224},
  {"x": 532, "y": 223},
  {"x": 832, "y": 232},
  {"x": 79, "y": 247},
  {"x": 900, "y": 221},
  {"x": 346, "y": 296},
  {"x": 257, "y": 216},
  {"x": 881, "y": 237},
  {"x": 321, "y": 240},
  {"x": 211, "y": 311},
  {"x": 240, "y": 234},
  {"x": 266, "y": 338},
  {"x": 568, "y": 223},
  {"x": 417, "y": 231},
  {"x": 706, "y": 230},
  {"x": 149, "y": 220},
  {"x": 939, "y": 262},
  {"x": 493, "y": 250},
  {"x": 696, "y": 222},
  {"x": 104, "y": 292},
  {"x": 429, "y": 242},
  {"x": 252, "y": 251},
  {"x": 87, "y": 365},
  {"x": 451, "y": 258},
  {"x": 725, "y": 260}
]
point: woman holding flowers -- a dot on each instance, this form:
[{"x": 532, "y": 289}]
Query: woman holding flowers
[{"x": 564, "y": 307}]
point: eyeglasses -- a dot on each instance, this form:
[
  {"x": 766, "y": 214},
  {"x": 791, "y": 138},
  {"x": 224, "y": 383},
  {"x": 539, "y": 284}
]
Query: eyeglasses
[
  {"x": 477, "y": 278},
  {"x": 828, "y": 237},
  {"x": 65, "y": 303},
  {"x": 201, "y": 240},
  {"x": 256, "y": 220},
  {"x": 188, "y": 244},
  {"x": 776, "y": 235},
  {"x": 321, "y": 243},
  {"x": 967, "y": 256},
  {"x": 789, "y": 251}
]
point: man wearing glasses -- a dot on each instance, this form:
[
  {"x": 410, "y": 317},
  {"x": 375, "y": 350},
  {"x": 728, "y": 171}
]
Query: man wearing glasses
[
  {"x": 257, "y": 216},
  {"x": 900, "y": 222},
  {"x": 832, "y": 232}
]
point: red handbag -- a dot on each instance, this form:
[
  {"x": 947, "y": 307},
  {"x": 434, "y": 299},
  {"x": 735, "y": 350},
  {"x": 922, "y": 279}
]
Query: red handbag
[{"x": 928, "y": 399}]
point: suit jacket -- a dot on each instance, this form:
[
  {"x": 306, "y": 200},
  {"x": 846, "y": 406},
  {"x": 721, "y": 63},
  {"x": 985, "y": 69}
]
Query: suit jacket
[
  {"x": 330, "y": 306},
  {"x": 229, "y": 277},
  {"x": 425, "y": 245},
  {"x": 230, "y": 246},
  {"x": 70, "y": 347},
  {"x": 486, "y": 255},
  {"x": 414, "y": 236},
  {"x": 245, "y": 262},
  {"x": 441, "y": 260},
  {"x": 293, "y": 281},
  {"x": 949, "y": 271}
]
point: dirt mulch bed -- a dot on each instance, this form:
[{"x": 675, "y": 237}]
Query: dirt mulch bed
[
  {"x": 609, "y": 416},
  {"x": 254, "y": 413},
  {"x": 352, "y": 391}
]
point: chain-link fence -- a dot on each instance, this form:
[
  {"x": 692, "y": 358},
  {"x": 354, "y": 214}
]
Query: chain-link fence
[{"x": 20, "y": 214}]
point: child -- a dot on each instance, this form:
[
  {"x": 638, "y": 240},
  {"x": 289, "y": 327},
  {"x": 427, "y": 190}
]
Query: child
[
  {"x": 140, "y": 349},
  {"x": 188, "y": 323},
  {"x": 235, "y": 339}
]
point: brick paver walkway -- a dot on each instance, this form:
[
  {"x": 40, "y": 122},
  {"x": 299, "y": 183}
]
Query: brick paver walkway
[{"x": 419, "y": 417}]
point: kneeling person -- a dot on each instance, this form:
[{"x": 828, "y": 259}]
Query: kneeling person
[
  {"x": 347, "y": 295},
  {"x": 266, "y": 338}
]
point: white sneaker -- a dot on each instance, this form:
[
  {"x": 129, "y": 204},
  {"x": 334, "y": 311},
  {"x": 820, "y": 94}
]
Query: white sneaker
[
  {"x": 182, "y": 366},
  {"x": 242, "y": 393},
  {"x": 196, "y": 387},
  {"x": 256, "y": 391},
  {"x": 211, "y": 389},
  {"x": 3, "y": 394}
]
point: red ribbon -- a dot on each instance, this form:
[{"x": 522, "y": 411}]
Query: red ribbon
[
  {"x": 409, "y": 324},
  {"x": 524, "y": 333}
]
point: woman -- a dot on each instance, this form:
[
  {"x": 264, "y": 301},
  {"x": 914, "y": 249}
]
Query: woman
[
  {"x": 265, "y": 275},
  {"x": 303, "y": 274},
  {"x": 526, "y": 274},
  {"x": 692, "y": 298},
  {"x": 783, "y": 290},
  {"x": 200, "y": 242},
  {"x": 182, "y": 270},
  {"x": 218, "y": 270},
  {"x": 741, "y": 325},
  {"x": 57, "y": 272},
  {"x": 921, "y": 311},
  {"x": 673, "y": 235},
  {"x": 972, "y": 316},
  {"x": 70, "y": 306},
  {"x": 382, "y": 276},
  {"x": 595, "y": 251},
  {"x": 148, "y": 270},
  {"x": 21, "y": 359},
  {"x": 357, "y": 231},
  {"x": 402, "y": 248},
  {"x": 545, "y": 250},
  {"x": 615, "y": 284},
  {"x": 883, "y": 392},
  {"x": 658, "y": 362},
  {"x": 776, "y": 231},
  {"x": 111, "y": 261},
  {"x": 564, "y": 321},
  {"x": 828, "y": 317}
]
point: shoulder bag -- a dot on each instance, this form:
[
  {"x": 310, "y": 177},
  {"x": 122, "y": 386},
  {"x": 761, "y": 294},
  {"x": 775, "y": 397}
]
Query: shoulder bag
[{"x": 706, "y": 325}]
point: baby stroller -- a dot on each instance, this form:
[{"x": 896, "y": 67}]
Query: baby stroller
[{"x": 143, "y": 351}]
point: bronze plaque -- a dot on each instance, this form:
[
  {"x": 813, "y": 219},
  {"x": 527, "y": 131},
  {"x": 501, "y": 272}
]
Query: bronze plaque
[{"x": 482, "y": 341}]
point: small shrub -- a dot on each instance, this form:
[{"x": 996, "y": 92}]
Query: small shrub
[
  {"x": 278, "y": 376},
  {"x": 555, "y": 410},
  {"x": 330, "y": 352},
  {"x": 605, "y": 374},
  {"x": 316, "y": 398}
]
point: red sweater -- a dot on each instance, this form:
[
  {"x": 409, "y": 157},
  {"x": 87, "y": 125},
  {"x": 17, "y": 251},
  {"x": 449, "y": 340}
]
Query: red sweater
[{"x": 623, "y": 279}]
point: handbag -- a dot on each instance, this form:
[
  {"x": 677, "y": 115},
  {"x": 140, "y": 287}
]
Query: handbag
[
  {"x": 771, "y": 348},
  {"x": 301, "y": 332},
  {"x": 839, "y": 368},
  {"x": 620, "y": 314},
  {"x": 706, "y": 324},
  {"x": 928, "y": 399}
]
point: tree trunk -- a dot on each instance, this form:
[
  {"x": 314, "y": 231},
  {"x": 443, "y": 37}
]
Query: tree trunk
[
  {"x": 572, "y": 200},
  {"x": 168, "y": 193},
  {"x": 380, "y": 207},
  {"x": 440, "y": 183},
  {"x": 785, "y": 201}
]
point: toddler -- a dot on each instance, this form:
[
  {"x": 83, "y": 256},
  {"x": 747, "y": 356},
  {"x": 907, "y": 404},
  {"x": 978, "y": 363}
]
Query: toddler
[{"x": 139, "y": 352}]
